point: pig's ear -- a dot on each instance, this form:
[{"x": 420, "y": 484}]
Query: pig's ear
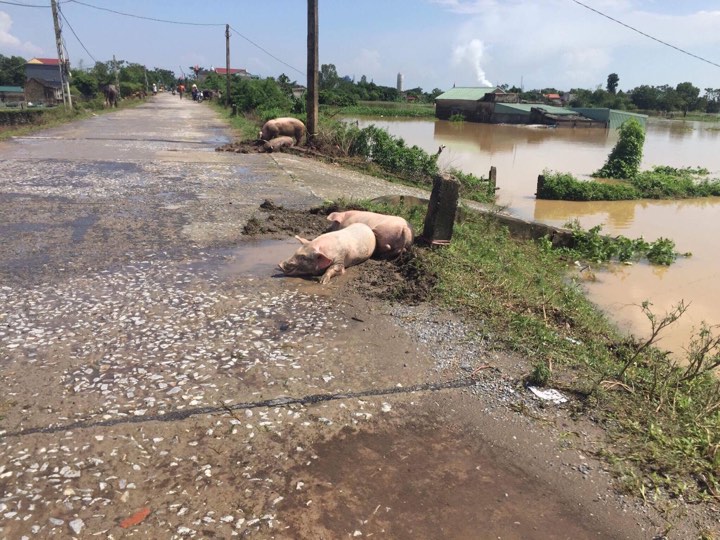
[
  {"x": 332, "y": 217},
  {"x": 323, "y": 261},
  {"x": 302, "y": 240}
]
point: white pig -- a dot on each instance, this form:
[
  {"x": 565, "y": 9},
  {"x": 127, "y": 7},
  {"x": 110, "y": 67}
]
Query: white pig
[
  {"x": 278, "y": 142},
  {"x": 330, "y": 253},
  {"x": 291, "y": 127},
  {"x": 393, "y": 234}
]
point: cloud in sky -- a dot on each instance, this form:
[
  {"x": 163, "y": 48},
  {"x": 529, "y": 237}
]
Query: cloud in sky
[
  {"x": 559, "y": 43},
  {"x": 12, "y": 44}
]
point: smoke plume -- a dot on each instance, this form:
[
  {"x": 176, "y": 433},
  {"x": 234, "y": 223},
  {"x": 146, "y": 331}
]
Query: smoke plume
[{"x": 472, "y": 54}]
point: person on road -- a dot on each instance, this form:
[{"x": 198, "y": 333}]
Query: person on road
[
  {"x": 194, "y": 92},
  {"x": 181, "y": 90},
  {"x": 154, "y": 89}
]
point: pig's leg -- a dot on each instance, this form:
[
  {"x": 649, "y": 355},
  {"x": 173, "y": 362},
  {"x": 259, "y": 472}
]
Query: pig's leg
[{"x": 335, "y": 269}]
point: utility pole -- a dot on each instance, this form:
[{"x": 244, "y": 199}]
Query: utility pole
[
  {"x": 312, "y": 71},
  {"x": 64, "y": 71},
  {"x": 117, "y": 76},
  {"x": 227, "y": 64}
]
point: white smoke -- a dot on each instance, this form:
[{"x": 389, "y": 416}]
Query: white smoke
[{"x": 472, "y": 54}]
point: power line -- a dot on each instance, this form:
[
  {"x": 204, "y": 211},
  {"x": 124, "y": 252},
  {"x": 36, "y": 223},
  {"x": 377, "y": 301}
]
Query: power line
[
  {"x": 167, "y": 21},
  {"x": 142, "y": 17},
  {"x": 646, "y": 35},
  {"x": 76, "y": 36},
  {"x": 265, "y": 51},
  {"x": 23, "y": 5}
]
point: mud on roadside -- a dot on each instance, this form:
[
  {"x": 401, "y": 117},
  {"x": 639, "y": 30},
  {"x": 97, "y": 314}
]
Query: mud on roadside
[{"x": 403, "y": 279}]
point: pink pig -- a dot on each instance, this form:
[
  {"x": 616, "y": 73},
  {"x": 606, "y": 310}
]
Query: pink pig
[
  {"x": 330, "y": 253},
  {"x": 392, "y": 233}
]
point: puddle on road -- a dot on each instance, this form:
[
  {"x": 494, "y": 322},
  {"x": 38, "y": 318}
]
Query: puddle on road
[{"x": 257, "y": 258}]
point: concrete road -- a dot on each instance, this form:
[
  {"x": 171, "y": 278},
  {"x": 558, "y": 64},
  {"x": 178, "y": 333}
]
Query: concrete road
[{"x": 159, "y": 380}]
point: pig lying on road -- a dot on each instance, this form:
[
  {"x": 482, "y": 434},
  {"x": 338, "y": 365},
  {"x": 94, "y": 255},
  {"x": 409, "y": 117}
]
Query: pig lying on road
[
  {"x": 278, "y": 142},
  {"x": 393, "y": 234},
  {"x": 330, "y": 253}
]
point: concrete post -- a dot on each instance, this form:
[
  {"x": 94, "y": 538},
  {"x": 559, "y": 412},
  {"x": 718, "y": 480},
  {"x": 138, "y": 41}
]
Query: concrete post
[
  {"x": 492, "y": 180},
  {"x": 440, "y": 217}
]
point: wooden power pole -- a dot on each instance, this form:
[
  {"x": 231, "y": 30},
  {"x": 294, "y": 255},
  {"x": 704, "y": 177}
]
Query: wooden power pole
[
  {"x": 64, "y": 64},
  {"x": 312, "y": 71},
  {"x": 227, "y": 65}
]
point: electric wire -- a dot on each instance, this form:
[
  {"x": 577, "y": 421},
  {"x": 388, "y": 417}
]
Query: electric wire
[
  {"x": 265, "y": 51},
  {"x": 167, "y": 21},
  {"x": 64, "y": 18},
  {"x": 646, "y": 35},
  {"x": 23, "y": 5}
]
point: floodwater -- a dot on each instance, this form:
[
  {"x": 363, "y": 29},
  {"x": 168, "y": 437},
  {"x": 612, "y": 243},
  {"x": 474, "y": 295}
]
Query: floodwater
[{"x": 521, "y": 153}]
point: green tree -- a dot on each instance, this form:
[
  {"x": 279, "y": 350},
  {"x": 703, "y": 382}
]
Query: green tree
[
  {"x": 12, "y": 71},
  {"x": 285, "y": 84},
  {"x": 687, "y": 96},
  {"x": 329, "y": 79},
  {"x": 645, "y": 97},
  {"x": 624, "y": 160},
  {"x": 259, "y": 95},
  {"x": 85, "y": 82},
  {"x": 612, "y": 83}
]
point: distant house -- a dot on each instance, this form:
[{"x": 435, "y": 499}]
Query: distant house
[
  {"x": 476, "y": 104},
  {"x": 555, "y": 99},
  {"x": 233, "y": 71},
  {"x": 43, "y": 81},
  {"x": 298, "y": 91},
  {"x": 11, "y": 94},
  {"x": 42, "y": 91}
]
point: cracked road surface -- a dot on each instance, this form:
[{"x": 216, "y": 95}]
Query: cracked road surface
[{"x": 141, "y": 337}]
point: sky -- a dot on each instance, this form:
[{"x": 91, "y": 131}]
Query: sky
[{"x": 433, "y": 43}]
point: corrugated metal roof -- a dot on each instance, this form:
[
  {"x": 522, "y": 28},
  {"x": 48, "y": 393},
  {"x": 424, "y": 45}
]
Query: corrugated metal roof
[
  {"x": 12, "y": 89},
  {"x": 524, "y": 108},
  {"x": 613, "y": 118},
  {"x": 466, "y": 93}
]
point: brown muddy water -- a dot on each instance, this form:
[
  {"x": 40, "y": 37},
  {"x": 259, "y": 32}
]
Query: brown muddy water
[{"x": 521, "y": 153}]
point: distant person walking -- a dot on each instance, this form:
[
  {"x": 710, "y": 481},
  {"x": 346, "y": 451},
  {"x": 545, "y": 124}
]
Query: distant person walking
[
  {"x": 194, "y": 92},
  {"x": 154, "y": 89},
  {"x": 181, "y": 90}
]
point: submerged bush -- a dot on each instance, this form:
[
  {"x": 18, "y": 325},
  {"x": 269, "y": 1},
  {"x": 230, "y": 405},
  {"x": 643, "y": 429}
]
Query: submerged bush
[
  {"x": 624, "y": 160},
  {"x": 565, "y": 187},
  {"x": 593, "y": 246},
  {"x": 661, "y": 182}
]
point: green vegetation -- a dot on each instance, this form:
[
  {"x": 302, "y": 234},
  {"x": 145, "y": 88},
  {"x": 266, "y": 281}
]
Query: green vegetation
[
  {"x": 661, "y": 182},
  {"x": 624, "y": 160},
  {"x": 663, "y": 415},
  {"x": 623, "y": 163},
  {"x": 592, "y": 246},
  {"x": 375, "y": 151}
]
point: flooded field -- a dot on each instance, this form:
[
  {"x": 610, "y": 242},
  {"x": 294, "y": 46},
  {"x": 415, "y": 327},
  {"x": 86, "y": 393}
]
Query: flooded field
[{"x": 521, "y": 153}]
